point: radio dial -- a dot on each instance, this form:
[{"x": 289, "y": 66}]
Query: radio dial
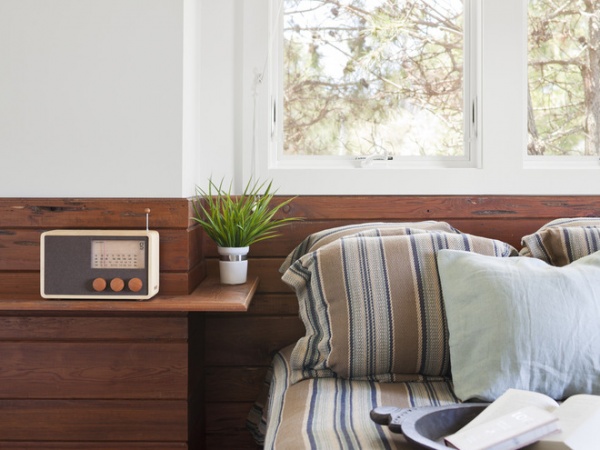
[
  {"x": 99, "y": 284},
  {"x": 135, "y": 285},
  {"x": 117, "y": 284}
]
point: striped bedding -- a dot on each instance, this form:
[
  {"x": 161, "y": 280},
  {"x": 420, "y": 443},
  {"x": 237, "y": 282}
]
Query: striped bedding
[
  {"x": 376, "y": 331},
  {"x": 333, "y": 413},
  {"x": 376, "y": 335},
  {"x": 562, "y": 241},
  {"x": 319, "y": 239}
]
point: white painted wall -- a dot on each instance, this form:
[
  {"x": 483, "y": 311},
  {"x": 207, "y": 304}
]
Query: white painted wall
[
  {"x": 147, "y": 98},
  {"x": 220, "y": 91},
  {"x": 91, "y": 98}
]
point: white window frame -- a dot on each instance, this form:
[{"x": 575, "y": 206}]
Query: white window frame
[
  {"x": 471, "y": 154},
  {"x": 501, "y": 167}
]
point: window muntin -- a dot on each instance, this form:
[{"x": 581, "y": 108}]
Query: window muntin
[
  {"x": 564, "y": 78},
  {"x": 364, "y": 77}
]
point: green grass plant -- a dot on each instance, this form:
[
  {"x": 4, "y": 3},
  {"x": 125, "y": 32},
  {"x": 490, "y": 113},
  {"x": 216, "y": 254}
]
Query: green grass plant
[{"x": 239, "y": 220}]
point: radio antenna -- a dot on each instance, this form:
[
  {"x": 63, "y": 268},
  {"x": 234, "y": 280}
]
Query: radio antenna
[{"x": 147, "y": 211}]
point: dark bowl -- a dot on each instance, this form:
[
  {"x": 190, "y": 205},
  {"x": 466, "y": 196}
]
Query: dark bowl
[{"x": 426, "y": 427}]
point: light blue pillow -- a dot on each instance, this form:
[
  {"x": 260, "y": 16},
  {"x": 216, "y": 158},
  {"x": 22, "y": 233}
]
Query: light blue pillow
[{"x": 521, "y": 323}]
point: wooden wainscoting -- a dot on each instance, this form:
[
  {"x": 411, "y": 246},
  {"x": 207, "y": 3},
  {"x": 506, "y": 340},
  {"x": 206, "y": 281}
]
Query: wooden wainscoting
[
  {"x": 99, "y": 379},
  {"x": 239, "y": 346},
  {"x": 23, "y": 220}
]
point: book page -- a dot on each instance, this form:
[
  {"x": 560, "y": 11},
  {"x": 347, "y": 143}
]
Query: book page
[
  {"x": 579, "y": 419},
  {"x": 510, "y": 401},
  {"x": 513, "y": 430}
]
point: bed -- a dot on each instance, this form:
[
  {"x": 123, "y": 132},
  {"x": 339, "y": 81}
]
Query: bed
[{"x": 420, "y": 314}]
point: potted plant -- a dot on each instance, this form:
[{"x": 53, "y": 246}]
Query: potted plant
[{"x": 235, "y": 222}]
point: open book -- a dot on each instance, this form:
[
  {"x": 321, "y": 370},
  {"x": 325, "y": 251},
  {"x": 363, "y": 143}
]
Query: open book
[{"x": 572, "y": 425}]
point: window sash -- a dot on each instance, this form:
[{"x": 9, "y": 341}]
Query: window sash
[{"x": 471, "y": 156}]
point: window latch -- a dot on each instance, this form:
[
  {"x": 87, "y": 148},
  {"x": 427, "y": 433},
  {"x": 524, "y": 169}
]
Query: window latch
[{"x": 366, "y": 161}]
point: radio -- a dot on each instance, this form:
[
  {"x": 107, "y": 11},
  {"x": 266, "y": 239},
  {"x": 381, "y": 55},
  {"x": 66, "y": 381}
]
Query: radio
[{"x": 99, "y": 264}]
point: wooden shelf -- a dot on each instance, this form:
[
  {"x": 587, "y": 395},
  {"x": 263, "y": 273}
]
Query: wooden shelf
[{"x": 209, "y": 296}]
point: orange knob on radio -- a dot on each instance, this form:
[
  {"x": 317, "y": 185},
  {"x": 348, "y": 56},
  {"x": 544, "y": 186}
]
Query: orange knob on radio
[
  {"x": 135, "y": 285},
  {"x": 99, "y": 284},
  {"x": 117, "y": 284}
]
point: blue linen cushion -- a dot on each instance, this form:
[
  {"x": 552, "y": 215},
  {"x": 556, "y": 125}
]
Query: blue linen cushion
[{"x": 521, "y": 323}]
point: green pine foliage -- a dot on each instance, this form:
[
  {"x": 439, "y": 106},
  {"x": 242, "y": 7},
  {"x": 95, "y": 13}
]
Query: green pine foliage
[
  {"x": 239, "y": 220},
  {"x": 362, "y": 76}
]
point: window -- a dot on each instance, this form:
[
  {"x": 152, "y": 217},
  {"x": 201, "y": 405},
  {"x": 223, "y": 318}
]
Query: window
[
  {"x": 564, "y": 78},
  {"x": 363, "y": 77},
  {"x": 498, "y": 95}
]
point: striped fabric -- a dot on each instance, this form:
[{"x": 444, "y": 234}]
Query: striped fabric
[
  {"x": 372, "y": 306},
  {"x": 319, "y": 239},
  {"x": 563, "y": 241},
  {"x": 330, "y": 413}
]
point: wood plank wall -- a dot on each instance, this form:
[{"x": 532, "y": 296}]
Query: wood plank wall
[
  {"x": 23, "y": 220},
  {"x": 76, "y": 379},
  {"x": 239, "y": 347}
]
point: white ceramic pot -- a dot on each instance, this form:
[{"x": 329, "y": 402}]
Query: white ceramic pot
[{"x": 233, "y": 264}]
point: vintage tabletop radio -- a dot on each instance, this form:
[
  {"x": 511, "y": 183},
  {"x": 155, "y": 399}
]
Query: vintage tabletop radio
[{"x": 99, "y": 264}]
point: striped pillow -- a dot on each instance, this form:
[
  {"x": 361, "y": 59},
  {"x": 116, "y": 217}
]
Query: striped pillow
[
  {"x": 372, "y": 306},
  {"x": 317, "y": 240},
  {"x": 563, "y": 241}
]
